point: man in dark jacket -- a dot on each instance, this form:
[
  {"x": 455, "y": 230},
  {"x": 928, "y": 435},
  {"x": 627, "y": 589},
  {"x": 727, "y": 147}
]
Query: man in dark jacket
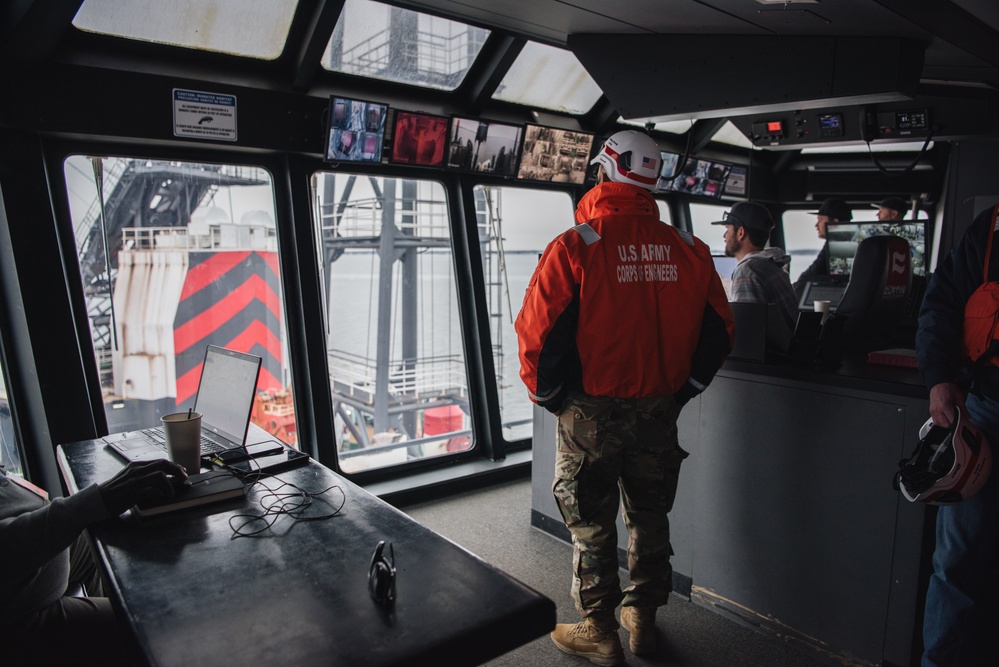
[
  {"x": 42, "y": 549},
  {"x": 832, "y": 210},
  {"x": 624, "y": 321},
  {"x": 967, "y": 533}
]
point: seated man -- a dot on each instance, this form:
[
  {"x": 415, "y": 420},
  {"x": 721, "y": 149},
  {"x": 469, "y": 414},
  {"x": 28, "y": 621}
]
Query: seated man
[
  {"x": 832, "y": 210},
  {"x": 891, "y": 208},
  {"x": 43, "y": 550},
  {"x": 761, "y": 275}
]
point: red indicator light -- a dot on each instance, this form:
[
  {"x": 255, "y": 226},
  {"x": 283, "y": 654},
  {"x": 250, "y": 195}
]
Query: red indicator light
[{"x": 774, "y": 126}]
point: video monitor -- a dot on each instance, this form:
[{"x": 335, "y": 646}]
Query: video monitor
[
  {"x": 557, "y": 156},
  {"x": 356, "y": 130},
  {"x": 844, "y": 237},
  {"x": 419, "y": 139},
  {"x": 696, "y": 177},
  {"x": 484, "y": 146}
]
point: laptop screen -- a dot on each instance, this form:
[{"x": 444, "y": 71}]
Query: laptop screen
[{"x": 225, "y": 393}]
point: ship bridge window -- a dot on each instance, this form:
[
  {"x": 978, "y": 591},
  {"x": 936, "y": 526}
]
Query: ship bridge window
[
  {"x": 251, "y": 28},
  {"x": 164, "y": 281},
  {"x": 10, "y": 455},
  {"x": 395, "y": 44},
  {"x": 394, "y": 348},
  {"x": 515, "y": 225},
  {"x": 701, "y": 217},
  {"x": 546, "y": 77},
  {"x": 733, "y": 136},
  {"x": 801, "y": 240}
]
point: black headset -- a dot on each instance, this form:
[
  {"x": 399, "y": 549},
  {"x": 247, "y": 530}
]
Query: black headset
[{"x": 381, "y": 575}]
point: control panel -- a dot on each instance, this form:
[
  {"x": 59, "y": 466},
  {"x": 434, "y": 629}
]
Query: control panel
[
  {"x": 902, "y": 123},
  {"x": 795, "y": 129}
]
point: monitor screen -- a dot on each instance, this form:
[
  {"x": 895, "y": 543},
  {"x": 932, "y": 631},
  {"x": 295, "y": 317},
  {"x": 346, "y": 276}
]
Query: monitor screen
[
  {"x": 482, "y": 146},
  {"x": 419, "y": 138},
  {"x": 843, "y": 239},
  {"x": 558, "y": 156},
  {"x": 356, "y": 131},
  {"x": 696, "y": 177}
]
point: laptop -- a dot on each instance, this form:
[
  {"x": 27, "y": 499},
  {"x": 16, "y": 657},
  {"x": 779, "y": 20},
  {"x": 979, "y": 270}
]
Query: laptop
[
  {"x": 224, "y": 400},
  {"x": 821, "y": 291}
]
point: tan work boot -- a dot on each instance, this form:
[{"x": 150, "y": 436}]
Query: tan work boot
[
  {"x": 597, "y": 641},
  {"x": 640, "y": 622}
]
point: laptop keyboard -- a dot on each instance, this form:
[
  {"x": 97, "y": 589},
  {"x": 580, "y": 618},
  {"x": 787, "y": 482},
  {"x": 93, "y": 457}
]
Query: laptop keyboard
[{"x": 157, "y": 437}]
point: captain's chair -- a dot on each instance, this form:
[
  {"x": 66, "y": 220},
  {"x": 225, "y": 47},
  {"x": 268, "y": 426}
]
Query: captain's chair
[{"x": 877, "y": 297}]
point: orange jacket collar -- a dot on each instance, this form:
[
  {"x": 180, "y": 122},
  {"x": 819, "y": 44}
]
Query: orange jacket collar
[{"x": 615, "y": 198}]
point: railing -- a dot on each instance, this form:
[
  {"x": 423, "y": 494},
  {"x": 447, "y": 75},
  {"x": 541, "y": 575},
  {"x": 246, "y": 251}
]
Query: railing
[
  {"x": 419, "y": 379},
  {"x": 436, "y": 54},
  {"x": 173, "y": 238},
  {"x": 363, "y": 219}
]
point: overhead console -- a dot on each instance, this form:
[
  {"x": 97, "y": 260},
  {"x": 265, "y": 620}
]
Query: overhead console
[
  {"x": 673, "y": 77},
  {"x": 917, "y": 120}
]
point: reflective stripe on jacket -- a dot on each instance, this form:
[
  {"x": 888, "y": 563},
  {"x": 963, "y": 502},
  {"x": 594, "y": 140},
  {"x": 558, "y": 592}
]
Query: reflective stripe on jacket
[{"x": 622, "y": 305}]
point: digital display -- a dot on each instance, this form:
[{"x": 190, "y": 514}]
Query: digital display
[
  {"x": 557, "y": 156},
  {"x": 485, "y": 147},
  {"x": 843, "y": 239},
  {"x": 419, "y": 139},
  {"x": 832, "y": 121},
  {"x": 696, "y": 177},
  {"x": 830, "y": 125},
  {"x": 356, "y": 130},
  {"x": 775, "y": 127}
]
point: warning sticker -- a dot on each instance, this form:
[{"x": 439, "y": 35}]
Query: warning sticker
[{"x": 204, "y": 115}]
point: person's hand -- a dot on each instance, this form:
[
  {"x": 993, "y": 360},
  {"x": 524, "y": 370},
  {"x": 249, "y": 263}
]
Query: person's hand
[
  {"x": 138, "y": 481},
  {"x": 943, "y": 398},
  {"x": 554, "y": 404}
]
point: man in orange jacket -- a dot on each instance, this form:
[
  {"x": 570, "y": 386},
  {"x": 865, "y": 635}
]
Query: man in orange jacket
[{"x": 624, "y": 321}]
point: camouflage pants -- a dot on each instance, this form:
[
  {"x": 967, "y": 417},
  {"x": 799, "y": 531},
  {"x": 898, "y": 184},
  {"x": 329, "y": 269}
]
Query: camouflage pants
[{"x": 612, "y": 450}]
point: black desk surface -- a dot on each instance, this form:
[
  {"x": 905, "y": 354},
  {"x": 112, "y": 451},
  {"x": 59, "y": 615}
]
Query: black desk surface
[{"x": 194, "y": 595}]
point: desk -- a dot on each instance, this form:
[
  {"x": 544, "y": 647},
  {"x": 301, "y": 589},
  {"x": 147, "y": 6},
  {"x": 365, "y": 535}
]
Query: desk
[{"x": 194, "y": 596}]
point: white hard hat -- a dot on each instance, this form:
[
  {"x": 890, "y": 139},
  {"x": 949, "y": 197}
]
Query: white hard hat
[
  {"x": 631, "y": 157},
  {"x": 949, "y": 464}
]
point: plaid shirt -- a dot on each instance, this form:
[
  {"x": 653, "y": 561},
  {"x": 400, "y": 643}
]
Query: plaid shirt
[{"x": 761, "y": 277}]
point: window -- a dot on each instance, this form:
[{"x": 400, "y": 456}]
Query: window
[
  {"x": 515, "y": 226},
  {"x": 191, "y": 260},
  {"x": 664, "y": 213},
  {"x": 383, "y": 42},
  {"x": 394, "y": 349},
  {"x": 252, "y": 28},
  {"x": 701, "y": 217},
  {"x": 730, "y": 134},
  {"x": 801, "y": 240},
  {"x": 549, "y": 78},
  {"x": 10, "y": 456}
]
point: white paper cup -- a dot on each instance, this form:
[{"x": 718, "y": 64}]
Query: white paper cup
[
  {"x": 183, "y": 439},
  {"x": 821, "y": 306}
]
